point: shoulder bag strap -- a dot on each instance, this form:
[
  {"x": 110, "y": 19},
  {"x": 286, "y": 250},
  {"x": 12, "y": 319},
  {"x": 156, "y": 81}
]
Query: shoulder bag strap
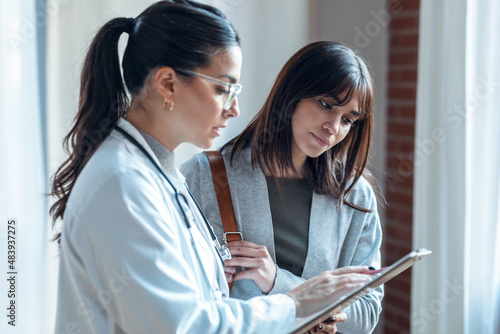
[{"x": 221, "y": 184}]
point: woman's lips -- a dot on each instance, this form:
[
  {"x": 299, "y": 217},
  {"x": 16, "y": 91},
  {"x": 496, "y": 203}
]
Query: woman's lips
[
  {"x": 217, "y": 130},
  {"x": 322, "y": 142}
]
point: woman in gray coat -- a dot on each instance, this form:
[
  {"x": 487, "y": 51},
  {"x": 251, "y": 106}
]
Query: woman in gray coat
[{"x": 297, "y": 180}]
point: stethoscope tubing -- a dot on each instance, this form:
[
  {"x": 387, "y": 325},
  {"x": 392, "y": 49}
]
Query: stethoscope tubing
[{"x": 177, "y": 194}]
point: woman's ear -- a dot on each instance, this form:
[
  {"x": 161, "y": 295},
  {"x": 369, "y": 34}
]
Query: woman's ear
[{"x": 164, "y": 82}]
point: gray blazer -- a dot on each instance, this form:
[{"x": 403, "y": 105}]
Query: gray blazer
[{"x": 342, "y": 238}]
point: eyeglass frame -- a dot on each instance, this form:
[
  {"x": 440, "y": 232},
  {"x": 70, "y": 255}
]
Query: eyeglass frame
[{"x": 234, "y": 88}]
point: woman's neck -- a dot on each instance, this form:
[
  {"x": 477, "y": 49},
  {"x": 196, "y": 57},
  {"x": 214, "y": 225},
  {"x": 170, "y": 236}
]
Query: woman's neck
[
  {"x": 300, "y": 174},
  {"x": 141, "y": 117}
]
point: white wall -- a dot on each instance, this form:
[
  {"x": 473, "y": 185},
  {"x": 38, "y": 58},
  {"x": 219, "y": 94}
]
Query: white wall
[
  {"x": 362, "y": 25},
  {"x": 71, "y": 28}
]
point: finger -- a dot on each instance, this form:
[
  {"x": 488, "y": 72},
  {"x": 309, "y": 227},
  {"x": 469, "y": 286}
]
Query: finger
[
  {"x": 342, "y": 286},
  {"x": 246, "y": 262},
  {"x": 252, "y": 274},
  {"x": 327, "y": 280},
  {"x": 350, "y": 270},
  {"x": 229, "y": 278},
  {"x": 329, "y": 328},
  {"x": 350, "y": 278},
  {"x": 230, "y": 269},
  {"x": 351, "y": 286},
  {"x": 241, "y": 251},
  {"x": 339, "y": 317},
  {"x": 326, "y": 328},
  {"x": 243, "y": 243},
  {"x": 358, "y": 277}
]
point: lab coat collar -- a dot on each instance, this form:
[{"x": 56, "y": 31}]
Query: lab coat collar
[{"x": 131, "y": 130}]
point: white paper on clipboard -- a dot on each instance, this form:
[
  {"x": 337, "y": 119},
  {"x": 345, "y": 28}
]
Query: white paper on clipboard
[{"x": 302, "y": 325}]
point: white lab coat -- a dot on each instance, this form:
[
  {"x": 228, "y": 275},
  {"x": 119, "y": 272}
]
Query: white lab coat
[{"x": 127, "y": 259}]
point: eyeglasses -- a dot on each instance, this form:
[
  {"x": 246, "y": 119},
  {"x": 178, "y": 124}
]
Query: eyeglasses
[{"x": 233, "y": 89}]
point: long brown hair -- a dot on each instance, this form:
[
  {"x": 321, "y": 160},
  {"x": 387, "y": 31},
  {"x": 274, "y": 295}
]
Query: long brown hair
[
  {"x": 182, "y": 34},
  {"x": 318, "y": 69}
]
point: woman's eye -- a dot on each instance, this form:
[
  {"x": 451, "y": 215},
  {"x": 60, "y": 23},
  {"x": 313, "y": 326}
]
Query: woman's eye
[
  {"x": 222, "y": 90},
  {"x": 348, "y": 121},
  {"x": 324, "y": 104}
]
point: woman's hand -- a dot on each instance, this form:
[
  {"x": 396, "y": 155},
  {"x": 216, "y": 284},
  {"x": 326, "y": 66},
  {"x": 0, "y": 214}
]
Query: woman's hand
[
  {"x": 322, "y": 290},
  {"x": 329, "y": 326},
  {"x": 256, "y": 264}
]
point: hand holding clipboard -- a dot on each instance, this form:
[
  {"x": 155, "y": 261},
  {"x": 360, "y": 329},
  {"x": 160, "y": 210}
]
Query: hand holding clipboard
[{"x": 381, "y": 276}]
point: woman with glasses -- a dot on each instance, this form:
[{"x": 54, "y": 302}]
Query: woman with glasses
[
  {"x": 136, "y": 253},
  {"x": 296, "y": 176}
]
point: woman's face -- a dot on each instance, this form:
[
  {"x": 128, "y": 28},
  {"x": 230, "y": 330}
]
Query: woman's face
[
  {"x": 200, "y": 104},
  {"x": 318, "y": 125}
]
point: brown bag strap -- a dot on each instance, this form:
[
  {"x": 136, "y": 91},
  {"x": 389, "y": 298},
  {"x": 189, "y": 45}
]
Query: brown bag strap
[{"x": 221, "y": 184}]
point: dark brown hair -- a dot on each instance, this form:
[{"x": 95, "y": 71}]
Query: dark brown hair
[
  {"x": 318, "y": 69},
  {"x": 182, "y": 34}
]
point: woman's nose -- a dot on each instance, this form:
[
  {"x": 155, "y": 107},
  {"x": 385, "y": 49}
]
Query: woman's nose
[
  {"x": 234, "y": 110},
  {"x": 332, "y": 127}
]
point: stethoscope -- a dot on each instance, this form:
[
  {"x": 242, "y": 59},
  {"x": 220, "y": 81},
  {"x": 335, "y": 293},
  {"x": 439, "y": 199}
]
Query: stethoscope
[{"x": 222, "y": 251}]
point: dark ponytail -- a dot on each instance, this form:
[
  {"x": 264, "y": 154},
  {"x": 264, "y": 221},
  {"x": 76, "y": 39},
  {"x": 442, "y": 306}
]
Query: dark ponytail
[{"x": 182, "y": 34}]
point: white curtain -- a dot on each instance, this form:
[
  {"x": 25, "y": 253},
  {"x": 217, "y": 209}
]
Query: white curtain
[
  {"x": 23, "y": 180},
  {"x": 457, "y": 169}
]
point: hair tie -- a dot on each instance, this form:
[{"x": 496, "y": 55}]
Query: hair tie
[{"x": 129, "y": 28}]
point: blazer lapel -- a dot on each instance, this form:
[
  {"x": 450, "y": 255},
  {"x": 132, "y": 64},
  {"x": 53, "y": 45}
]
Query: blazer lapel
[
  {"x": 251, "y": 200},
  {"x": 324, "y": 230}
]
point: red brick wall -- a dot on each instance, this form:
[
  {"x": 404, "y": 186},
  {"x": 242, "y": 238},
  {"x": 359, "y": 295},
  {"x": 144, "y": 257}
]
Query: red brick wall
[{"x": 402, "y": 83}]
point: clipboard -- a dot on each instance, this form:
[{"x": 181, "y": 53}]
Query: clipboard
[{"x": 302, "y": 325}]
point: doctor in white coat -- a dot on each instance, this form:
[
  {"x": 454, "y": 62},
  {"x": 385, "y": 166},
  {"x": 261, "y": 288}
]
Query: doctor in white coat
[{"x": 136, "y": 253}]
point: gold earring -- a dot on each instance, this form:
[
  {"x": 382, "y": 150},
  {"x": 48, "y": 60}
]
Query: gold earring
[{"x": 171, "y": 105}]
